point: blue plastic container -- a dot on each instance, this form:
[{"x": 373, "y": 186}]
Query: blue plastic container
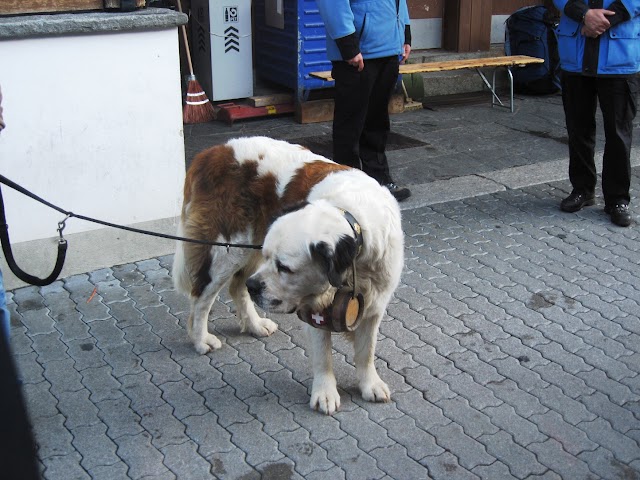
[{"x": 287, "y": 55}]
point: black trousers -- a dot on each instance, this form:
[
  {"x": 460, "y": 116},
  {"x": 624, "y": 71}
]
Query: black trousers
[
  {"x": 618, "y": 104},
  {"x": 361, "y": 115}
]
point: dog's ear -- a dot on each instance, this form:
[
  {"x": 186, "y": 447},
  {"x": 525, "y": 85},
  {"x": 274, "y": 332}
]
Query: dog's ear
[{"x": 335, "y": 261}]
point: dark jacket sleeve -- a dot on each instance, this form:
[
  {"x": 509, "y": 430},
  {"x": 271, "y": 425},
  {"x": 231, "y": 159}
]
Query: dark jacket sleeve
[
  {"x": 576, "y": 10},
  {"x": 349, "y": 46},
  {"x": 407, "y": 34},
  {"x": 622, "y": 15}
]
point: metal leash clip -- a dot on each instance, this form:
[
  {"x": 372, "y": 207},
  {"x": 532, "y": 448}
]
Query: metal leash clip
[{"x": 61, "y": 226}]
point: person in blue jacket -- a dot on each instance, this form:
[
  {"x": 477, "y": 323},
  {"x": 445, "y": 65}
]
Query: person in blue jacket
[
  {"x": 366, "y": 41},
  {"x": 599, "y": 49}
]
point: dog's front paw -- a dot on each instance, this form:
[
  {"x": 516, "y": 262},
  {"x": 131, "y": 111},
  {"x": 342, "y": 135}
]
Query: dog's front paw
[
  {"x": 325, "y": 397},
  {"x": 206, "y": 344},
  {"x": 263, "y": 327},
  {"x": 375, "y": 390}
]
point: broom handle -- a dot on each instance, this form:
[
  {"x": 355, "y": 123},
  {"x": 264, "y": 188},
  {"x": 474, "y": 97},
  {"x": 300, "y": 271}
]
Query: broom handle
[{"x": 186, "y": 42}]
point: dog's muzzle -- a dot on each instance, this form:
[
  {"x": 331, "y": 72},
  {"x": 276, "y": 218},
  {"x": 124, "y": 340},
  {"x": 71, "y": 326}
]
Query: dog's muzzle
[{"x": 343, "y": 315}]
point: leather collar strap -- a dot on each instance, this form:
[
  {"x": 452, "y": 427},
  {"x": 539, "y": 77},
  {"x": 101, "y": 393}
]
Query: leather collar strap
[{"x": 357, "y": 229}]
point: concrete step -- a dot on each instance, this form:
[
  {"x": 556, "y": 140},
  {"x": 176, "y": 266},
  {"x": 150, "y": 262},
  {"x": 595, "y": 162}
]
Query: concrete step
[{"x": 458, "y": 81}]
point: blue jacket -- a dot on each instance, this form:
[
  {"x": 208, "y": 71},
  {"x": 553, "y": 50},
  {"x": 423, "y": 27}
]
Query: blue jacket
[
  {"x": 618, "y": 49},
  {"x": 374, "y": 28}
]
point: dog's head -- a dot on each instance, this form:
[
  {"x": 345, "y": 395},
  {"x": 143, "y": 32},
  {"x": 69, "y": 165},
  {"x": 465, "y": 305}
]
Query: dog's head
[{"x": 306, "y": 254}]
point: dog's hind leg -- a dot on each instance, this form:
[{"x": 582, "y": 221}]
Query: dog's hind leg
[
  {"x": 197, "y": 326},
  {"x": 371, "y": 385},
  {"x": 248, "y": 317}
]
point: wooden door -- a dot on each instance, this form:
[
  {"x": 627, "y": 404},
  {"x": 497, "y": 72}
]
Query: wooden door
[{"x": 467, "y": 25}]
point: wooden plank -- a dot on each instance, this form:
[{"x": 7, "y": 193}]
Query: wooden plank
[
  {"x": 506, "y": 61},
  {"x": 10, "y": 7},
  {"x": 273, "y": 99}
]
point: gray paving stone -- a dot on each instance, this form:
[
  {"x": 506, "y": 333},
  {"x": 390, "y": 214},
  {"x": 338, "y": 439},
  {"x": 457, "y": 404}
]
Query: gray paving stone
[
  {"x": 111, "y": 291},
  {"x": 39, "y": 400},
  {"x": 524, "y": 403},
  {"x": 162, "y": 368},
  {"x": 84, "y": 353},
  {"x": 447, "y": 466},
  {"x": 523, "y": 431},
  {"x": 395, "y": 462},
  {"x": 288, "y": 390},
  {"x": 71, "y": 326},
  {"x": 107, "y": 333},
  {"x": 28, "y": 298},
  {"x": 605, "y": 465},
  {"x": 617, "y": 392},
  {"x": 551, "y": 454},
  {"x": 164, "y": 428},
  {"x": 210, "y": 437},
  {"x": 419, "y": 443},
  {"x": 473, "y": 422},
  {"x": 185, "y": 462},
  {"x": 50, "y": 347},
  {"x": 143, "y": 296},
  {"x": 232, "y": 464},
  {"x": 96, "y": 448},
  {"x": 307, "y": 456},
  {"x": 64, "y": 466},
  {"x": 162, "y": 321},
  {"x": 118, "y": 416},
  {"x": 476, "y": 394},
  {"x": 239, "y": 377},
  {"x": 250, "y": 438},
  {"x": 496, "y": 471},
  {"x": 142, "y": 393},
  {"x": 573, "y": 440},
  {"x": 571, "y": 385},
  {"x": 523, "y": 353},
  {"x": 101, "y": 384},
  {"x": 28, "y": 368},
  {"x": 125, "y": 313},
  {"x": 128, "y": 275},
  {"x": 51, "y": 436},
  {"x": 600, "y": 431},
  {"x": 122, "y": 360},
  {"x": 335, "y": 472},
  {"x": 521, "y": 462},
  {"x": 433, "y": 388},
  {"x": 367, "y": 433},
  {"x": 78, "y": 410},
  {"x": 183, "y": 399},
  {"x": 572, "y": 411},
  {"x": 199, "y": 370},
  {"x": 396, "y": 357},
  {"x": 110, "y": 472},
  {"x": 526, "y": 379},
  {"x": 227, "y": 406},
  {"x": 409, "y": 318},
  {"x": 436, "y": 363},
  {"x": 470, "y": 452},
  {"x": 38, "y": 322},
  {"x": 360, "y": 466},
  {"x": 321, "y": 428},
  {"x": 142, "y": 458},
  {"x": 426, "y": 415},
  {"x": 274, "y": 417}
]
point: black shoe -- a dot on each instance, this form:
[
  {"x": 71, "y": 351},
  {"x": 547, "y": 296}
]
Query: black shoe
[
  {"x": 576, "y": 201},
  {"x": 619, "y": 213},
  {"x": 401, "y": 193}
]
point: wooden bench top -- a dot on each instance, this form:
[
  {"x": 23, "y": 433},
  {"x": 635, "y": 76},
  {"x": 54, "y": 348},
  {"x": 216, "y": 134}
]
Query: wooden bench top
[{"x": 504, "y": 61}]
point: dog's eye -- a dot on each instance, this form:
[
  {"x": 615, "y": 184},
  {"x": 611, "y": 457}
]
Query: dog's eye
[{"x": 282, "y": 268}]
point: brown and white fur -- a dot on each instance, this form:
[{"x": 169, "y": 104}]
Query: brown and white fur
[{"x": 232, "y": 194}]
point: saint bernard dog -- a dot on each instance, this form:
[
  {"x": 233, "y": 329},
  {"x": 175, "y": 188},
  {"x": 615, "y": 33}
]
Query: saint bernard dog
[{"x": 321, "y": 226}]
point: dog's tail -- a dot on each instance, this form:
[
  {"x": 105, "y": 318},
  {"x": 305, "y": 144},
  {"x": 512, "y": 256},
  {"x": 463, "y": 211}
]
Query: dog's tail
[{"x": 179, "y": 271}]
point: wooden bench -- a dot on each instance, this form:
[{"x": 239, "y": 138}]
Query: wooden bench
[{"x": 507, "y": 62}]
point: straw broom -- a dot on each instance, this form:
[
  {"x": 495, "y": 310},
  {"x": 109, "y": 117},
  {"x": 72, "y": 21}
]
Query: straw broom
[{"x": 197, "y": 107}]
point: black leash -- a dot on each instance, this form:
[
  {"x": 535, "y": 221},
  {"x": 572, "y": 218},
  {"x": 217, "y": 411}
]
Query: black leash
[{"x": 62, "y": 244}]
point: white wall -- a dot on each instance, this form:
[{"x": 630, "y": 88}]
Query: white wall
[
  {"x": 426, "y": 33},
  {"x": 94, "y": 125}
]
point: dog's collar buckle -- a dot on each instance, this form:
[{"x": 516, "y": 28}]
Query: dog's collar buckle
[{"x": 355, "y": 226}]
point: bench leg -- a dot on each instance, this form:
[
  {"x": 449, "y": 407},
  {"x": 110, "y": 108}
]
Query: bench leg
[{"x": 495, "y": 100}]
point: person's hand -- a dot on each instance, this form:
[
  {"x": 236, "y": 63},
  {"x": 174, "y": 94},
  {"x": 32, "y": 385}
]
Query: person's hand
[
  {"x": 596, "y": 22},
  {"x": 357, "y": 62},
  {"x": 406, "y": 50}
]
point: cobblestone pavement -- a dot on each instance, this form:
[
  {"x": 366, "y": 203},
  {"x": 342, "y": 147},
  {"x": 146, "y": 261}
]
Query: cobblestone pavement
[{"x": 512, "y": 349}]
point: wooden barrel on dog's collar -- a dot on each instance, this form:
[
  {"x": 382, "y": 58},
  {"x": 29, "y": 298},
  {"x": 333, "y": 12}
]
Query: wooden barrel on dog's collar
[{"x": 343, "y": 315}]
